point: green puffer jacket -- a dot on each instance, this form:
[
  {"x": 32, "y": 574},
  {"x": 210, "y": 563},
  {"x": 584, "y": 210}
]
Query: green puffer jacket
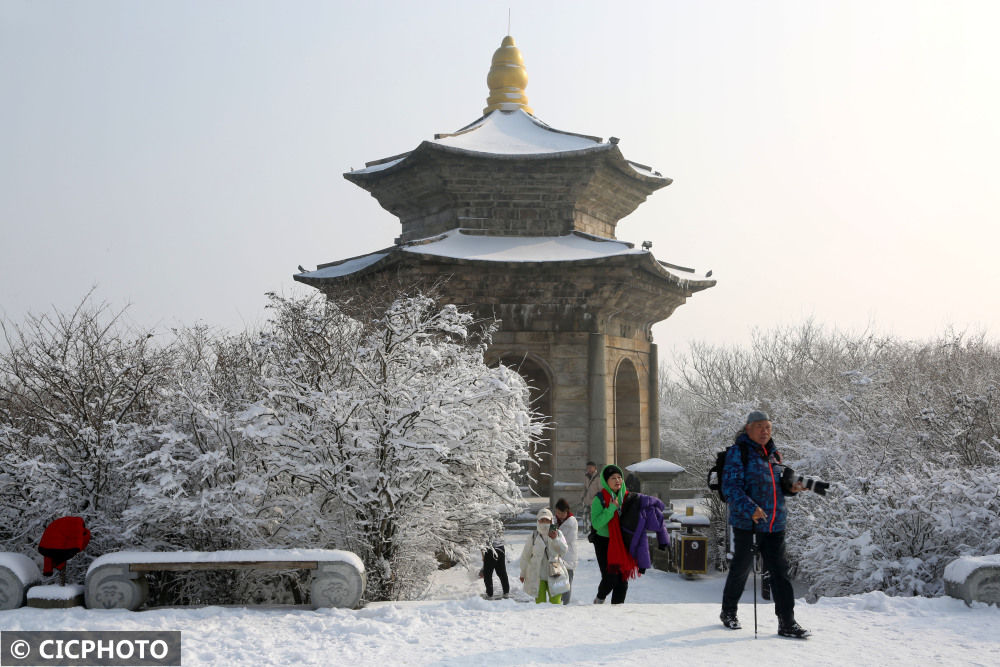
[{"x": 600, "y": 516}]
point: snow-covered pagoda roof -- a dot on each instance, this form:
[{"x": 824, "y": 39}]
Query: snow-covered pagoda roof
[
  {"x": 515, "y": 133},
  {"x": 512, "y": 133},
  {"x": 471, "y": 246}
]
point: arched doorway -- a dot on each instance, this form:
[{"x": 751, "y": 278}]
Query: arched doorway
[
  {"x": 538, "y": 475},
  {"x": 628, "y": 434}
]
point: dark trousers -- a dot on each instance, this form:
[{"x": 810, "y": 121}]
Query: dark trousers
[
  {"x": 495, "y": 561},
  {"x": 611, "y": 582},
  {"x": 772, "y": 551}
]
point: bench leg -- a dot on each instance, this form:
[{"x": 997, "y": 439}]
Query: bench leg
[
  {"x": 336, "y": 584},
  {"x": 114, "y": 587},
  {"x": 12, "y": 591}
]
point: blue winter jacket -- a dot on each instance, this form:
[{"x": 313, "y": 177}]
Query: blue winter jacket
[{"x": 756, "y": 485}]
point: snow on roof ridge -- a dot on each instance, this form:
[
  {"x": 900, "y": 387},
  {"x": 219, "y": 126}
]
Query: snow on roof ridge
[
  {"x": 463, "y": 243},
  {"x": 476, "y": 124},
  {"x": 478, "y": 245},
  {"x": 515, "y": 133}
]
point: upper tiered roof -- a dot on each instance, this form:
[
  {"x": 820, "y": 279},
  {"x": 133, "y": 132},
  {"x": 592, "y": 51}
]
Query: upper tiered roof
[
  {"x": 509, "y": 173},
  {"x": 513, "y": 132},
  {"x": 510, "y": 193}
]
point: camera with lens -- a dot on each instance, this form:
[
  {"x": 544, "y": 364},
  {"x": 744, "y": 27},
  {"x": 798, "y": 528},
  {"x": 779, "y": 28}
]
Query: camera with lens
[{"x": 789, "y": 478}]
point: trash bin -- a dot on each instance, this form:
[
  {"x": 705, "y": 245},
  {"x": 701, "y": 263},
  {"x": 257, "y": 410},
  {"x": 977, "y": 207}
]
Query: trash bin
[{"x": 690, "y": 547}]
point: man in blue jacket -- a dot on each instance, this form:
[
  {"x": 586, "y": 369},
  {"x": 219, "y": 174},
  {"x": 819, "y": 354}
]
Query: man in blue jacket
[{"x": 751, "y": 482}]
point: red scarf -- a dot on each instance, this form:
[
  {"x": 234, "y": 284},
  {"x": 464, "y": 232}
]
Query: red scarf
[{"x": 620, "y": 561}]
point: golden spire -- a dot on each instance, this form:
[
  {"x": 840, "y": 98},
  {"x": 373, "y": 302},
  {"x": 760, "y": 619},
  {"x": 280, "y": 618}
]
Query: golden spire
[{"x": 507, "y": 79}]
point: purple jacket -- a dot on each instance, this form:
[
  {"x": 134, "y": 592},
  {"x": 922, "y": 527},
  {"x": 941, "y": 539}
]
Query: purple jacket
[{"x": 641, "y": 513}]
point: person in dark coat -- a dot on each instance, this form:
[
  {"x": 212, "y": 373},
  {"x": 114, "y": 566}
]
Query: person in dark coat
[
  {"x": 495, "y": 559},
  {"x": 642, "y": 513},
  {"x": 757, "y": 512},
  {"x": 632, "y": 483}
]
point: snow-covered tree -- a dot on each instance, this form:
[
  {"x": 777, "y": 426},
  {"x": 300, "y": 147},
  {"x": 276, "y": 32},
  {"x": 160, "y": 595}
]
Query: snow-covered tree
[
  {"x": 386, "y": 435},
  {"x": 907, "y": 432},
  {"x": 401, "y": 446},
  {"x": 76, "y": 395}
]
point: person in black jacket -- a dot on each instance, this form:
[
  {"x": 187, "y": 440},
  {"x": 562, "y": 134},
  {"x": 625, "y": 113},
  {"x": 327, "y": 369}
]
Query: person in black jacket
[{"x": 495, "y": 558}]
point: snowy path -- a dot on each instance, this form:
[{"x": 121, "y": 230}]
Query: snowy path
[{"x": 665, "y": 619}]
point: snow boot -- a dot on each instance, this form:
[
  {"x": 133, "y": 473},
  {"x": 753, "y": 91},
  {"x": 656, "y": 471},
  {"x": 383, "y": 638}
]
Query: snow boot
[
  {"x": 729, "y": 620},
  {"x": 792, "y": 629},
  {"x": 598, "y": 600}
]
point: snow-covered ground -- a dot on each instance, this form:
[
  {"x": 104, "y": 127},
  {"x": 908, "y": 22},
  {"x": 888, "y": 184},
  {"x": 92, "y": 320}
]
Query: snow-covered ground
[{"x": 666, "y": 620}]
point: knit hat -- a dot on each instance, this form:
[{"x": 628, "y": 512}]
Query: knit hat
[
  {"x": 610, "y": 470},
  {"x": 757, "y": 416},
  {"x": 544, "y": 513}
]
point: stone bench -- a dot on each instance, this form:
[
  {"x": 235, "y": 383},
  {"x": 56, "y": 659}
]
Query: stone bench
[
  {"x": 18, "y": 573},
  {"x": 118, "y": 581},
  {"x": 974, "y": 578}
]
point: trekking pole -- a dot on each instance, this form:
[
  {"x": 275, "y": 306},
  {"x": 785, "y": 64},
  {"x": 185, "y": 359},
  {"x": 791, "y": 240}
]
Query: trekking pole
[{"x": 753, "y": 554}]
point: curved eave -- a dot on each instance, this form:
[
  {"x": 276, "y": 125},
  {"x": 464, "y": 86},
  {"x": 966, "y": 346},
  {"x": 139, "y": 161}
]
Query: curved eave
[
  {"x": 692, "y": 284},
  {"x": 396, "y": 164},
  {"x": 398, "y": 255},
  {"x": 327, "y": 273}
]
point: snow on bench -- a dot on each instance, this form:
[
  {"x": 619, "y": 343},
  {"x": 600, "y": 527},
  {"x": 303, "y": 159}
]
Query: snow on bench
[
  {"x": 974, "y": 578},
  {"x": 17, "y": 574},
  {"x": 117, "y": 580}
]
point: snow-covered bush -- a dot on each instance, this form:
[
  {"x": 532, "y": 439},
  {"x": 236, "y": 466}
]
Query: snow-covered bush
[
  {"x": 77, "y": 393},
  {"x": 908, "y": 433},
  {"x": 198, "y": 484}
]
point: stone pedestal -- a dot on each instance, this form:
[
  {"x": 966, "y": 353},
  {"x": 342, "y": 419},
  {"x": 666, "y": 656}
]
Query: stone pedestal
[
  {"x": 17, "y": 574},
  {"x": 56, "y": 597},
  {"x": 974, "y": 579},
  {"x": 655, "y": 476},
  {"x": 114, "y": 586},
  {"x": 337, "y": 584}
]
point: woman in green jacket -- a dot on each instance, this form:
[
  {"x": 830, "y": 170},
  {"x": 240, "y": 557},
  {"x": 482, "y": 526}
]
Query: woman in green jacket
[{"x": 617, "y": 566}]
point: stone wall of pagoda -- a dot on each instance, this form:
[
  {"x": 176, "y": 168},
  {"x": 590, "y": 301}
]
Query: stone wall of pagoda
[{"x": 436, "y": 190}]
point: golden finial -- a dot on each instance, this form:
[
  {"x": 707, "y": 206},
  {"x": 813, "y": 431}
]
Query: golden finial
[{"x": 507, "y": 79}]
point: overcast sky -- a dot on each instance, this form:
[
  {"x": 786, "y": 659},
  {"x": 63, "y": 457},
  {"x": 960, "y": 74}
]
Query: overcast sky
[{"x": 831, "y": 159}]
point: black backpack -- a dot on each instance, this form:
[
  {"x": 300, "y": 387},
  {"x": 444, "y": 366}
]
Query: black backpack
[{"x": 720, "y": 463}]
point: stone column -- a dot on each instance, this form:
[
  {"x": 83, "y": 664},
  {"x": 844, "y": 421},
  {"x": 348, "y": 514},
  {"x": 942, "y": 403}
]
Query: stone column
[
  {"x": 654, "y": 402},
  {"x": 597, "y": 371}
]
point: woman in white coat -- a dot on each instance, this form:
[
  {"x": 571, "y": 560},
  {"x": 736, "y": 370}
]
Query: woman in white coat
[
  {"x": 568, "y": 526},
  {"x": 543, "y": 545}
]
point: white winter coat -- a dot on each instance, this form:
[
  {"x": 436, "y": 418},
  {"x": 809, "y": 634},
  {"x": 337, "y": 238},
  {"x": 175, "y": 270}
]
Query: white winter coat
[
  {"x": 569, "y": 530},
  {"x": 534, "y": 564}
]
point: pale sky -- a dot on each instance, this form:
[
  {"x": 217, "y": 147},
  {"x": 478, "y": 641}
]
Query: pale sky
[{"x": 831, "y": 159}]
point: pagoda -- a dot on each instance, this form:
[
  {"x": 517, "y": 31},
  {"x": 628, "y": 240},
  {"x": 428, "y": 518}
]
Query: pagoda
[{"x": 515, "y": 220}]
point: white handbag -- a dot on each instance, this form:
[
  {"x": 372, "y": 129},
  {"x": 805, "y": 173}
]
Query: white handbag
[{"x": 558, "y": 575}]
